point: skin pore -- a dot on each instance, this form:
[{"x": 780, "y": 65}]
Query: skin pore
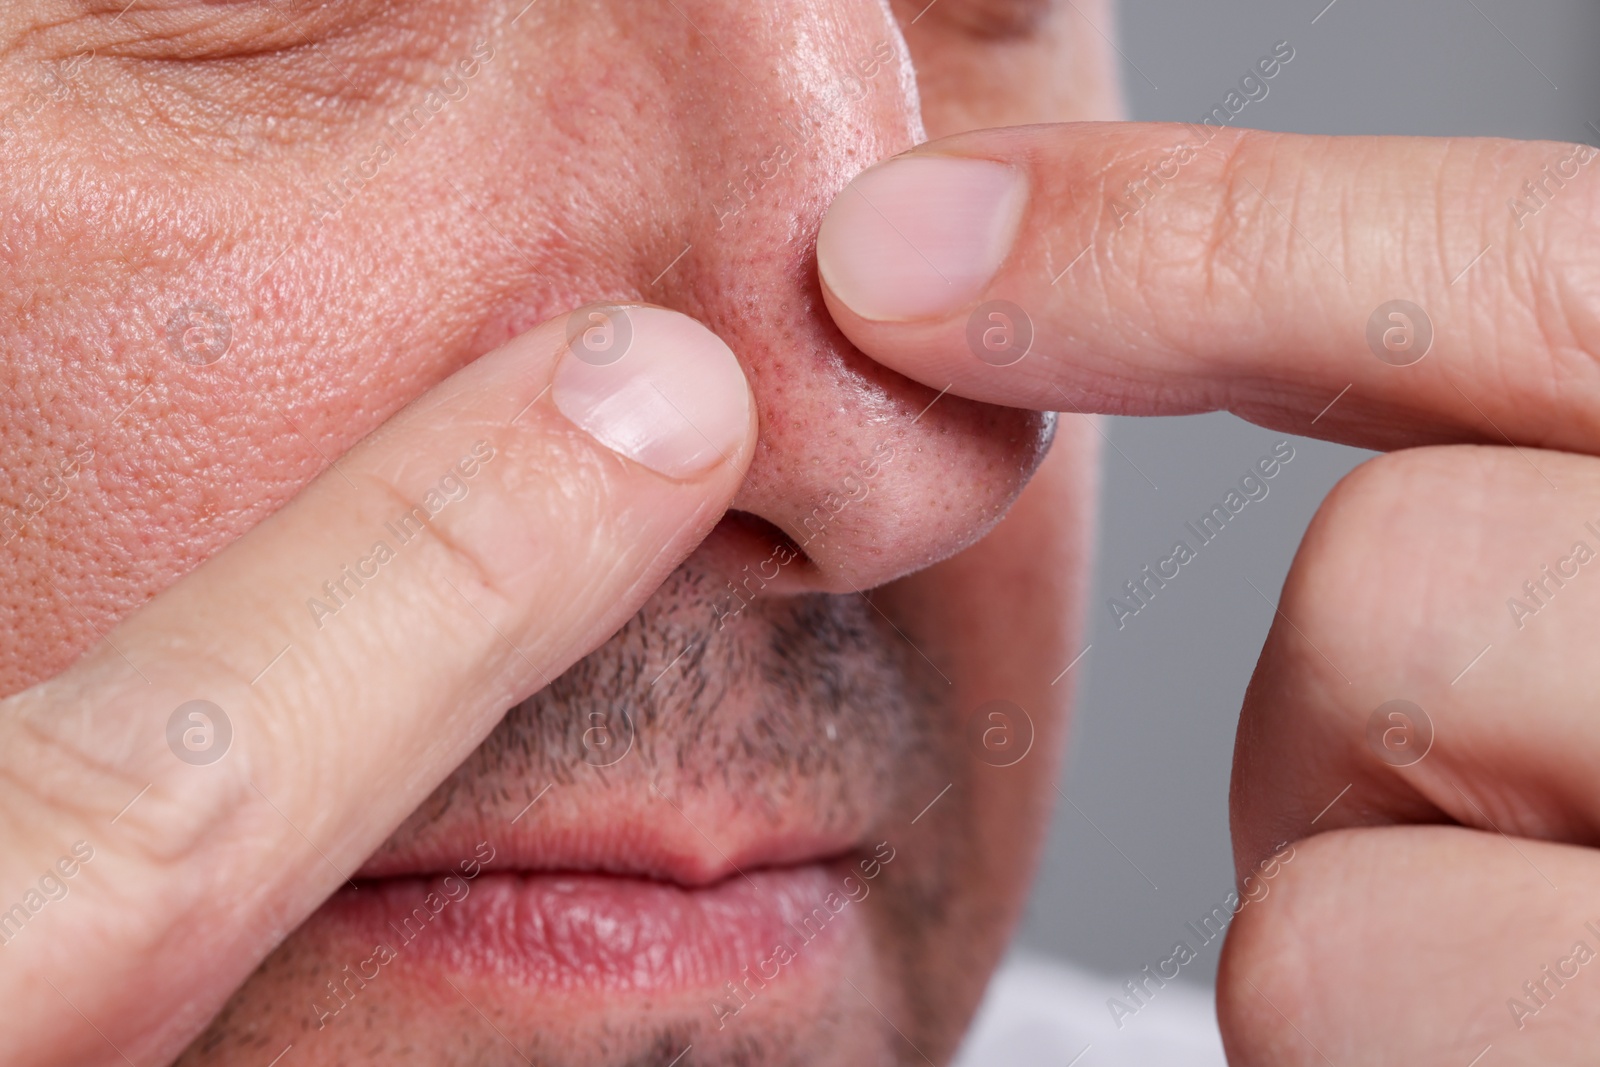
[{"x": 364, "y": 197}]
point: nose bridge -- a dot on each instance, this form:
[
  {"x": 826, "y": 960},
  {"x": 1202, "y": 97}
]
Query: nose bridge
[{"x": 871, "y": 474}]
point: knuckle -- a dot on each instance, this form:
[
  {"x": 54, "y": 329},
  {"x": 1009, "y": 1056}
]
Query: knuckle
[
  {"x": 53, "y": 772},
  {"x": 1334, "y": 591},
  {"x": 100, "y": 764},
  {"x": 1270, "y": 986},
  {"x": 1374, "y": 538},
  {"x": 1233, "y": 240},
  {"x": 1329, "y": 659},
  {"x": 1552, "y": 303},
  {"x": 471, "y": 530},
  {"x": 475, "y": 556},
  {"x": 1202, "y": 236},
  {"x": 457, "y": 554},
  {"x": 1264, "y": 231}
]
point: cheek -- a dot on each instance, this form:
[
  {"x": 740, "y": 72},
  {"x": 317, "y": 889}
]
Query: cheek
[
  {"x": 215, "y": 343},
  {"x": 1002, "y": 619},
  {"x": 1005, "y": 614},
  {"x": 185, "y": 457}
]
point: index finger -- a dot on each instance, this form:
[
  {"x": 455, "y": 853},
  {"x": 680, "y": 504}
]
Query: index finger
[
  {"x": 1379, "y": 291},
  {"x": 244, "y": 741}
]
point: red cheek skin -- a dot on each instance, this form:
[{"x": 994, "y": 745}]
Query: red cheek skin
[{"x": 336, "y": 324}]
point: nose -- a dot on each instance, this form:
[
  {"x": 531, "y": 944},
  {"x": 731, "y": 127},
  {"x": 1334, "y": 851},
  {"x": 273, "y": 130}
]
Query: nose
[{"x": 752, "y": 122}]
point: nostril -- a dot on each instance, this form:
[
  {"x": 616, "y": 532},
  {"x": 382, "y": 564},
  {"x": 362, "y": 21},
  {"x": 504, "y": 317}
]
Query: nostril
[
  {"x": 748, "y": 557},
  {"x": 754, "y": 526}
]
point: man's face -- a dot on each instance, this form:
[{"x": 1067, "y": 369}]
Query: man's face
[{"x": 777, "y": 816}]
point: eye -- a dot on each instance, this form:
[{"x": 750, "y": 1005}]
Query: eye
[
  {"x": 988, "y": 19},
  {"x": 224, "y": 76},
  {"x": 202, "y": 29}
]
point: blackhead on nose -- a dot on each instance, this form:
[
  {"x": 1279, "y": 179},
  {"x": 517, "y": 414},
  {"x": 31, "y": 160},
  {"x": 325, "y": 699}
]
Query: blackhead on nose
[{"x": 768, "y": 117}]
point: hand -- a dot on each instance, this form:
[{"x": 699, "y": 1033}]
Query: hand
[
  {"x": 1171, "y": 269},
  {"x": 181, "y": 798}
]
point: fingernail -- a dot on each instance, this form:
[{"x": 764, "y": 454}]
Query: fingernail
[
  {"x": 919, "y": 236},
  {"x": 654, "y": 386}
]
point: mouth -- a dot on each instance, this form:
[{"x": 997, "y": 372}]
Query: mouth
[
  {"x": 663, "y": 837},
  {"x": 575, "y": 934},
  {"x": 609, "y": 894},
  {"x": 637, "y": 833}
]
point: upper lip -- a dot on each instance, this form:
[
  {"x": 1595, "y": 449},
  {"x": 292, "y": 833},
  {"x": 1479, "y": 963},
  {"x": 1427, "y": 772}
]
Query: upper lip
[
  {"x": 625, "y": 825},
  {"x": 599, "y": 835}
]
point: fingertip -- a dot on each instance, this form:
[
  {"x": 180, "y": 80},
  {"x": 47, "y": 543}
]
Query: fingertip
[
  {"x": 919, "y": 236},
  {"x": 656, "y": 387}
]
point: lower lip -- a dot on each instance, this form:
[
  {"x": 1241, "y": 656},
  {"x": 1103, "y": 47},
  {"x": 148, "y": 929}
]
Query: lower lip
[{"x": 596, "y": 933}]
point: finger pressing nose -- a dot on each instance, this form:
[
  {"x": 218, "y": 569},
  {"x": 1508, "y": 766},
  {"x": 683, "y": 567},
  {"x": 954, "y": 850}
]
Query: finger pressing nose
[
  {"x": 293, "y": 699},
  {"x": 1167, "y": 269}
]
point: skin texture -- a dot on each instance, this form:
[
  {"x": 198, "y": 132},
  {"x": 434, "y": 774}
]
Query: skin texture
[{"x": 172, "y": 170}]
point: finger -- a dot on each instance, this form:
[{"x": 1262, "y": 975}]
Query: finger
[
  {"x": 1417, "y": 946},
  {"x": 1432, "y": 656},
  {"x": 1165, "y": 269},
  {"x": 357, "y": 645}
]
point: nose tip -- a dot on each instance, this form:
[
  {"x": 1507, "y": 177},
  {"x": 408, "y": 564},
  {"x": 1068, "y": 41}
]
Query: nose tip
[
  {"x": 869, "y": 475},
  {"x": 885, "y": 497}
]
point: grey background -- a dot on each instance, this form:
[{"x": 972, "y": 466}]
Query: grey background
[{"x": 1158, "y": 701}]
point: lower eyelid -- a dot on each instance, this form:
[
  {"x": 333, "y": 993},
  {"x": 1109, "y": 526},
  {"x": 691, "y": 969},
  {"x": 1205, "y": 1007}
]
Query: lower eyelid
[
  {"x": 193, "y": 30},
  {"x": 214, "y": 80}
]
